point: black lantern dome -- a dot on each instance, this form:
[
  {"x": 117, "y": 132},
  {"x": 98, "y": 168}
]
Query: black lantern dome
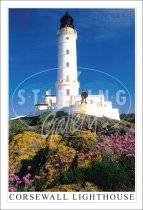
[{"x": 67, "y": 21}]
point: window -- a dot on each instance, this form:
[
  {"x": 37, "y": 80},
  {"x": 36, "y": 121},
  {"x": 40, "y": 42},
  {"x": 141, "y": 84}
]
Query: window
[
  {"x": 67, "y": 64},
  {"x": 67, "y": 92},
  {"x": 67, "y": 103},
  {"x": 50, "y": 101},
  {"x": 67, "y": 52},
  {"x": 99, "y": 104},
  {"x": 67, "y": 79}
]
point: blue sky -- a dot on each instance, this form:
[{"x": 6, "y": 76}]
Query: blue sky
[{"x": 106, "y": 43}]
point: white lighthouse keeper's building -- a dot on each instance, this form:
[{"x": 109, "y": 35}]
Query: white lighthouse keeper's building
[{"x": 67, "y": 86}]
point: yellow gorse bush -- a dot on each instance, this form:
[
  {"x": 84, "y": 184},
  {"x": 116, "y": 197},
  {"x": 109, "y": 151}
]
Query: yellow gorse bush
[
  {"x": 98, "y": 158},
  {"x": 89, "y": 187},
  {"x": 59, "y": 159},
  {"x": 63, "y": 150},
  {"x": 85, "y": 163},
  {"x": 82, "y": 140},
  {"x": 24, "y": 146},
  {"x": 53, "y": 141}
]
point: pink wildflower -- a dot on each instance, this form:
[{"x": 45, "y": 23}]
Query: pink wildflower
[
  {"x": 18, "y": 182},
  {"x": 17, "y": 178},
  {"x": 68, "y": 155},
  {"x": 101, "y": 144},
  {"x": 12, "y": 189},
  {"x": 88, "y": 155},
  {"x": 98, "y": 147},
  {"x": 57, "y": 165},
  {"x": 11, "y": 179},
  {"x": 81, "y": 154},
  {"x": 131, "y": 155},
  {"x": 37, "y": 177},
  {"x": 27, "y": 176},
  {"x": 91, "y": 154},
  {"x": 29, "y": 167},
  {"x": 27, "y": 181}
]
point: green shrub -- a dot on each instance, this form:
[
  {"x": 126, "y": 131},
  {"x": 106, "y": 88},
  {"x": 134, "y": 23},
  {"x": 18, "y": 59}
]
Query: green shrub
[
  {"x": 22, "y": 124},
  {"x": 107, "y": 175},
  {"x": 45, "y": 116},
  {"x": 73, "y": 176},
  {"x": 16, "y": 126},
  {"x": 61, "y": 114},
  {"x": 112, "y": 176}
]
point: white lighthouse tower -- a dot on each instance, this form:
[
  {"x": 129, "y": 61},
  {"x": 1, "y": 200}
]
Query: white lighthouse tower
[
  {"x": 67, "y": 96},
  {"x": 67, "y": 84}
]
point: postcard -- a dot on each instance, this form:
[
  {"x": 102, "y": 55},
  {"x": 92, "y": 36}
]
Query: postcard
[{"x": 71, "y": 104}]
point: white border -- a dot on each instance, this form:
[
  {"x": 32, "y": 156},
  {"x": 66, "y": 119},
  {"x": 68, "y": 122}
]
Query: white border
[{"x": 4, "y": 90}]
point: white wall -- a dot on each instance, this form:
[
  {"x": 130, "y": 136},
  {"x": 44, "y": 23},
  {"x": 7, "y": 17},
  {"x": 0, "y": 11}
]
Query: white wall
[{"x": 92, "y": 109}]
